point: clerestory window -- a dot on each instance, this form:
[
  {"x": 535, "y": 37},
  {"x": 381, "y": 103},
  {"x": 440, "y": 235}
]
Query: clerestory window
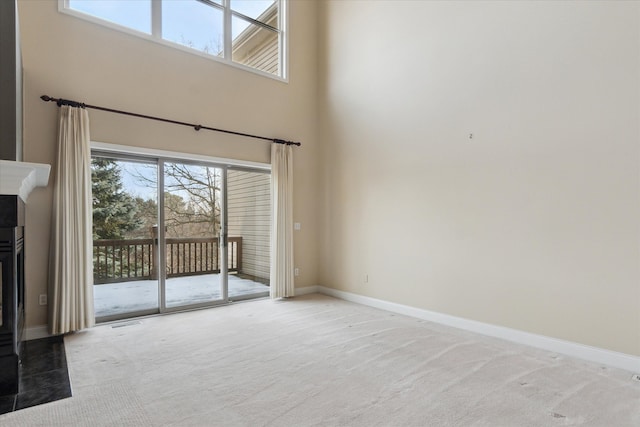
[{"x": 245, "y": 33}]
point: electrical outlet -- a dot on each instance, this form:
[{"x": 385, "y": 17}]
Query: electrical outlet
[
  {"x": 42, "y": 299},
  {"x": 635, "y": 377},
  {"x": 296, "y": 271}
]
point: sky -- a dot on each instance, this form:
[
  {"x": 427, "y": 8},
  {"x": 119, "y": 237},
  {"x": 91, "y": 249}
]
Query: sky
[
  {"x": 141, "y": 179},
  {"x": 146, "y": 188},
  {"x": 187, "y": 22}
]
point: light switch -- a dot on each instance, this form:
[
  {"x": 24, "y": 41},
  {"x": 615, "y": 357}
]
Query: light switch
[{"x": 296, "y": 226}]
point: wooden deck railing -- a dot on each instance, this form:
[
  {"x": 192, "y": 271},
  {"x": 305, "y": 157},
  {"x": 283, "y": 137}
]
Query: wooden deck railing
[{"x": 134, "y": 259}]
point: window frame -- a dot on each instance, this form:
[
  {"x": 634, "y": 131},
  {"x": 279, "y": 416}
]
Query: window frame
[{"x": 155, "y": 16}]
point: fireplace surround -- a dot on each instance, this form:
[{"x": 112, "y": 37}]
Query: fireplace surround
[{"x": 17, "y": 180}]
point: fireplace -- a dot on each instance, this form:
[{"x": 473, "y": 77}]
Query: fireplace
[
  {"x": 17, "y": 179},
  {"x": 12, "y": 290}
]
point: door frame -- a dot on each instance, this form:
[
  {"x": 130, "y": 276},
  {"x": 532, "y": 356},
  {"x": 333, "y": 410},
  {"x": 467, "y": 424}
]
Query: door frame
[{"x": 159, "y": 157}]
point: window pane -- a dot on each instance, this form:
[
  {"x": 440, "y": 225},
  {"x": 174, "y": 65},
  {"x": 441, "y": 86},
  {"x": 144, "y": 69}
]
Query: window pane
[
  {"x": 125, "y": 229},
  {"x": 131, "y": 14},
  {"x": 192, "y": 203},
  {"x": 249, "y": 225},
  {"x": 194, "y": 24},
  {"x": 255, "y": 46},
  {"x": 260, "y": 10}
]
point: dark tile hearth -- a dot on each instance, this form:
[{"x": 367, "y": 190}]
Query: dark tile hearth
[{"x": 43, "y": 375}]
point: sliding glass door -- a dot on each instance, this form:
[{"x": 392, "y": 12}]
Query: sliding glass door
[
  {"x": 193, "y": 224},
  {"x": 212, "y": 246},
  {"x": 249, "y": 229},
  {"x": 125, "y": 252}
]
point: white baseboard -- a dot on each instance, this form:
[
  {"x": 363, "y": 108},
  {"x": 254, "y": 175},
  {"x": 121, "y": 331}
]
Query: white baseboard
[
  {"x": 36, "y": 332},
  {"x": 581, "y": 351},
  {"x": 307, "y": 290}
]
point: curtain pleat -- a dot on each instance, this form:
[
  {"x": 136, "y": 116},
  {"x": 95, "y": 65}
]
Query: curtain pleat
[
  {"x": 70, "y": 268},
  {"x": 282, "y": 282}
]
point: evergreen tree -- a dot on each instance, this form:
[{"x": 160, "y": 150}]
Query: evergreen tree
[
  {"x": 147, "y": 211},
  {"x": 114, "y": 211}
]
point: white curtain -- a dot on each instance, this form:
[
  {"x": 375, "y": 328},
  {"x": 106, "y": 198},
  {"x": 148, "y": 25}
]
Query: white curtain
[
  {"x": 70, "y": 268},
  {"x": 282, "y": 284}
]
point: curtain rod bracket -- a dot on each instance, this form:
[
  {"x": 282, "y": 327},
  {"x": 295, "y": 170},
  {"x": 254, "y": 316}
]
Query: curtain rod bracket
[
  {"x": 60, "y": 102},
  {"x": 282, "y": 141}
]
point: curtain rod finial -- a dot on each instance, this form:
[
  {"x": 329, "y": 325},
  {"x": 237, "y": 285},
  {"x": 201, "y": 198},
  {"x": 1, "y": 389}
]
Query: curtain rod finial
[{"x": 46, "y": 98}]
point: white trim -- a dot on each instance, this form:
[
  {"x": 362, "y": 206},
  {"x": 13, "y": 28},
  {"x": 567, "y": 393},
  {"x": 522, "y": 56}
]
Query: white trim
[
  {"x": 36, "y": 332},
  {"x": 581, "y": 351},
  {"x": 307, "y": 290},
  {"x": 63, "y": 7},
  {"x": 154, "y": 153},
  {"x": 226, "y": 28},
  {"x": 20, "y": 178},
  {"x": 283, "y": 17},
  {"x": 156, "y": 19}
]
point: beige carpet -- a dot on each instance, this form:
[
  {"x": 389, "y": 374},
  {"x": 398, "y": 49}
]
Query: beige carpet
[{"x": 319, "y": 361}]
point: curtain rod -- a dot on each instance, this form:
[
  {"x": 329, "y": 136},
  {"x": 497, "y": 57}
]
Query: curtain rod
[{"x": 61, "y": 102}]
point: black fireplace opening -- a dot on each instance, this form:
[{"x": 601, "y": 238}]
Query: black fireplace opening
[{"x": 12, "y": 265}]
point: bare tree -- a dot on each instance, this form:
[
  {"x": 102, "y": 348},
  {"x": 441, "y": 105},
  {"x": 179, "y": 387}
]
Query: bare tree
[
  {"x": 211, "y": 46},
  {"x": 201, "y": 185},
  {"x": 191, "y": 199}
]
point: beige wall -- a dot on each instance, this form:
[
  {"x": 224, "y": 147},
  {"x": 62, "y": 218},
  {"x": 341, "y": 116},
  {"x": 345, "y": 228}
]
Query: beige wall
[
  {"x": 534, "y": 223},
  {"x": 70, "y": 58}
]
